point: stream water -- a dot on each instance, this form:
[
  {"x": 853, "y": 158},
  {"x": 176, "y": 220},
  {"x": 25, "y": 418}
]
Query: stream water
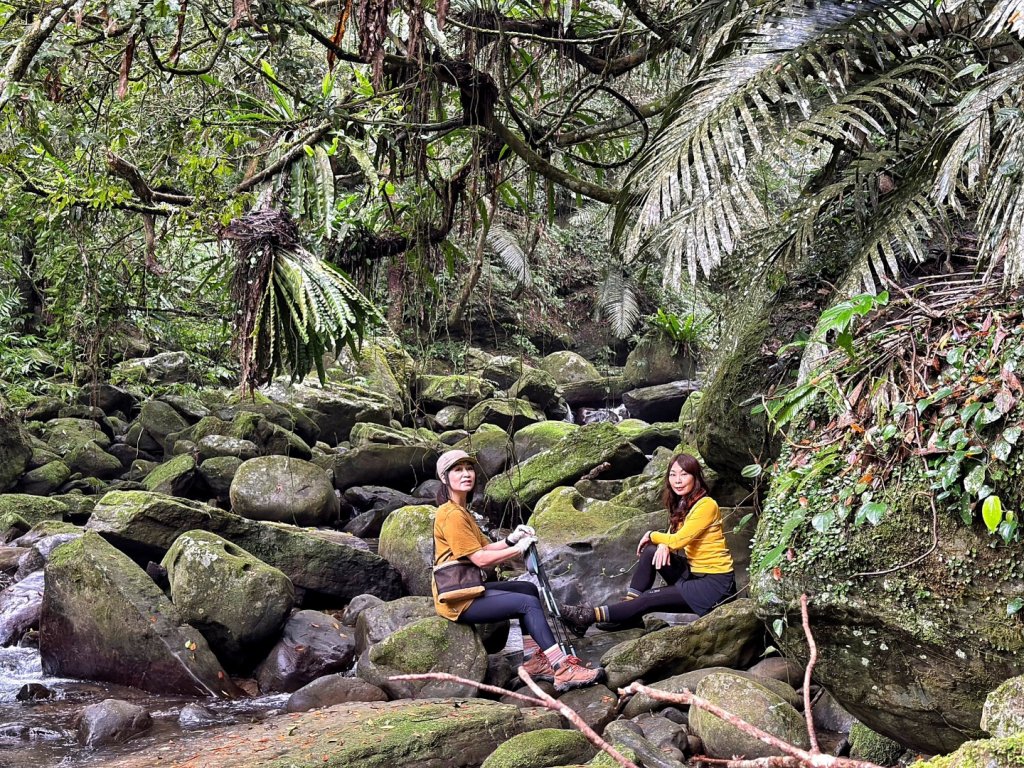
[{"x": 42, "y": 733}]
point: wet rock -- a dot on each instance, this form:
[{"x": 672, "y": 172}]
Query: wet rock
[
  {"x": 396, "y": 466},
  {"x": 596, "y": 705},
  {"x": 313, "y": 644},
  {"x": 729, "y": 636},
  {"x": 377, "y": 622},
  {"x": 197, "y": 716},
  {"x": 661, "y": 402},
  {"x": 628, "y": 735},
  {"x": 334, "y": 689},
  {"x": 331, "y": 564},
  {"x": 356, "y": 606},
  {"x": 540, "y": 749},
  {"x": 751, "y": 702},
  {"x": 111, "y": 721},
  {"x": 283, "y": 489},
  {"x": 20, "y": 605},
  {"x": 237, "y": 601},
  {"x": 406, "y": 542},
  {"x": 433, "y": 644},
  {"x": 104, "y": 619},
  {"x": 33, "y": 692},
  {"x": 663, "y": 733}
]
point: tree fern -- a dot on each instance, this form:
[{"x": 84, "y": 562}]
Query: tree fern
[
  {"x": 506, "y": 247},
  {"x": 292, "y": 307},
  {"x": 618, "y": 303}
]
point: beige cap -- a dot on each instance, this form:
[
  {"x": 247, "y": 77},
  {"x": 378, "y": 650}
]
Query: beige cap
[{"x": 449, "y": 459}]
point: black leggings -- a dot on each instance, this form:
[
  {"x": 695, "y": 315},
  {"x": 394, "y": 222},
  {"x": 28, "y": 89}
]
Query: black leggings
[
  {"x": 511, "y": 600},
  {"x": 686, "y": 592}
]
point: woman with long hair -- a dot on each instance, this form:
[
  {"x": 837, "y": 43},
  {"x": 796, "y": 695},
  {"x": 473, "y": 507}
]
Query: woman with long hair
[
  {"x": 458, "y": 537},
  {"x": 692, "y": 557}
]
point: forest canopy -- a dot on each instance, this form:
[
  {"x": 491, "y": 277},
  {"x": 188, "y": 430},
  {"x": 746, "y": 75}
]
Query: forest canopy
[{"x": 414, "y": 143}]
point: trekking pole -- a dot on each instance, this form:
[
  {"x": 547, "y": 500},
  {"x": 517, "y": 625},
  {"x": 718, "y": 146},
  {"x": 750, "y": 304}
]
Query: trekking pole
[{"x": 532, "y": 561}]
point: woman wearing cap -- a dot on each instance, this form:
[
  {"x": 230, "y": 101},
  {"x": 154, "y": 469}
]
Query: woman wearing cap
[
  {"x": 692, "y": 557},
  {"x": 457, "y": 536}
]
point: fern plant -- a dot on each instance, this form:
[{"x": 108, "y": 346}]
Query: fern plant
[{"x": 292, "y": 308}]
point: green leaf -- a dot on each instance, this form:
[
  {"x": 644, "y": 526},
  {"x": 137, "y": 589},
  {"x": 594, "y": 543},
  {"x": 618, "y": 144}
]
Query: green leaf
[
  {"x": 1011, "y": 435},
  {"x": 992, "y": 513},
  {"x": 752, "y": 470},
  {"x": 742, "y": 522},
  {"x": 873, "y": 511},
  {"x": 1013, "y": 607},
  {"x": 779, "y": 625},
  {"x": 1001, "y": 449},
  {"x": 772, "y": 558},
  {"x": 975, "y": 480},
  {"x": 823, "y": 521}
]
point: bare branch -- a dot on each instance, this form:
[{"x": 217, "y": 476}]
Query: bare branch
[{"x": 808, "y": 709}]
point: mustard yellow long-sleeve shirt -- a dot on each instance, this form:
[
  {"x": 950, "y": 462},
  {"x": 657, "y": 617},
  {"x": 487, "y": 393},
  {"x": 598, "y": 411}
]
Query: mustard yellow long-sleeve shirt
[{"x": 701, "y": 538}]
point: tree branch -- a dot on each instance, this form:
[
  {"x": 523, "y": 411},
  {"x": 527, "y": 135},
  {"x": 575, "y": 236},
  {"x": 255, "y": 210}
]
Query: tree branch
[
  {"x": 808, "y": 709},
  {"x": 27, "y": 48}
]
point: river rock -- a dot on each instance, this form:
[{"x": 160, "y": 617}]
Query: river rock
[
  {"x": 657, "y": 359},
  {"x": 333, "y": 565},
  {"x": 284, "y": 490},
  {"x": 218, "y": 472},
  {"x": 628, "y": 736},
  {"x": 111, "y": 721},
  {"x": 567, "y": 461},
  {"x": 64, "y": 435},
  {"x": 367, "y": 433},
  {"x": 196, "y": 716},
  {"x": 20, "y": 605},
  {"x": 751, "y": 702},
  {"x": 568, "y": 367},
  {"x": 729, "y": 636},
  {"x": 165, "y": 368},
  {"x": 451, "y": 417},
  {"x": 540, "y": 749},
  {"x": 406, "y": 542},
  {"x": 660, "y": 402},
  {"x": 212, "y": 446},
  {"x": 991, "y": 753},
  {"x": 103, "y": 618},
  {"x": 490, "y": 445},
  {"x": 436, "y": 392},
  {"x": 286, "y": 415},
  {"x": 1003, "y": 714},
  {"x": 313, "y": 644},
  {"x": 32, "y": 509},
  {"x": 396, "y": 466},
  {"x": 335, "y": 407},
  {"x": 537, "y": 386},
  {"x": 176, "y": 477},
  {"x": 108, "y": 398},
  {"x": 377, "y": 498},
  {"x": 334, "y": 689},
  {"x": 159, "y": 419},
  {"x": 539, "y": 437},
  {"x": 379, "y": 621},
  {"x": 597, "y": 705},
  {"x": 237, "y": 601},
  {"x": 650, "y": 437},
  {"x": 599, "y": 391},
  {"x": 873, "y": 747},
  {"x": 44, "y": 480},
  {"x": 271, "y": 439},
  {"x": 433, "y": 644},
  {"x": 40, "y": 549},
  {"x": 510, "y": 414}
]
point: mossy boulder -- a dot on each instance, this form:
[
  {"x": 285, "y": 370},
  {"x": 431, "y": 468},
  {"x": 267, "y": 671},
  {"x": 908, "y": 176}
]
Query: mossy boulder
[
  {"x": 333, "y": 408},
  {"x": 333, "y": 689},
  {"x": 490, "y": 445},
  {"x": 366, "y": 433},
  {"x": 657, "y": 359},
  {"x": 216, "y": 446},
  {"x": 451, "y": 417},
  {"x": 382, "y": 366},
  {"x": 502, "y": 370},
  {"x": 15, "y": 449},
  {"x": 271, "y": 439},
  {"x": 218, "y": 472},
  {"x": 750, "y": 701},
  {"x": 649, "y": 437},
  {"x": 325, "y": 564},
  {"x": 568, "y": 367},
  {"x": 32, "y": 509},
  {"x": 103, "y": 618},
  {"x": 283, "y": 489},
  {"x": 873, "y": 747},
  {"x": 535, "y": 385},
  {"x": 64, "y": 435},
  {"x": 689, "y": 681},
  {"x": 238, "y": 602},
  {"x": 564, "y": 463},
  {"x": 433, "y": 644},
  {"x": 175, "y": 477},
  {"x": 1003, "y": 714},
  {"x": 1006, "y": 752},
  {"x": 406, "y": 541},
  {"x": 12, "y": 525},
  {"x": 542, "y": 436},
  {"x": 159, "y": 419},
  {"x": 565, "y": 515},
  {"x": 540, "y": 749},
  {"x": 45, "y": 480},
  {"x": 729, "y": 636},
  {"x": 164, "y": 368},
  {"x": 395, "y": 466},
  {"x": 511, "y": 414},
  {"x": 436, "y": 392}
]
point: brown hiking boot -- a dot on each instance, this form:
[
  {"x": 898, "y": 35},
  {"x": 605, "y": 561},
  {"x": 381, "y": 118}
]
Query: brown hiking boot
[
  {"x": 571, "y": 674},
  {"x": 577, "y": 618},
  {"x": 539, "y": 667}
]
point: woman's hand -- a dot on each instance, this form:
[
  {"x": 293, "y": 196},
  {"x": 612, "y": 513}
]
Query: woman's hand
[
  {"x": 662, "y": 556},
  {"x": 644, "y": 541}
]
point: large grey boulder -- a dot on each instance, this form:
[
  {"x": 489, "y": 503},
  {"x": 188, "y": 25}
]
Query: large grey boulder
[
  {"x": 376, "y": 622},
  {"x": 396, "y": 466},
  {"x": 284, "y": 490},
  {"x": 332, "y": 565},
  {"x": 406, "y": 541},
  {"x": 660, "y": 402},
  {"x": 539, "y": 437},
  {"x": 436, "y": 392},
  {"x": 509, "y": 413},
  {"x": 433, "y": 644},
  {"x": 333, "y": 689},
  {"x": 237, "y": 601},
  {"x": 103, "y": 618},
  {"x": 64, "y": 435},
  {"x": 656, "y": 359},
  {"x": 568, "y": 367},
  {"x": 542, "y": 748},
  {"x": 490, "y": 445},
  {"x": 730, "y": 636},
  {"x": 159, "y": 419},
  {"x": 313, "y": 644},
  {"x": 537, "y": 386},
  {"x": 335, "y": 408},
  {"x": 44, "y": 480},
  {"x": 165, "y": 368},
  {"x": 176, "y": 477},
  {"x": 111, "y": 721},
  {"x": 1003, "y": 714},
  {"x": 752, "y": 702}
]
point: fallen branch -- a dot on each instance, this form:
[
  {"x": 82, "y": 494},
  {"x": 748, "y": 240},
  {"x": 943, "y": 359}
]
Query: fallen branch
[
  {"x": 808, "y": 709},
  {"x": 796, "y": 756},
  {"x": 542, "y": 700}
]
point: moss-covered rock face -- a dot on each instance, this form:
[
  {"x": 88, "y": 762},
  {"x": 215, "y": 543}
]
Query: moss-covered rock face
[
  {"x": 564, "y": 515},
  {"x": 15, "y": 450},
  {"x": 396, "y": 466},
  {"x": 406, "y": 541},
  {"x": 540, "y": 749},
  {"x": 45, "y": 480},
  {"x": 537, "y": 386},
  {"x": 1003, "y": 714},
  {"x": 436, "y": 392},
  {"x": 865, "y": 744},
  {"x": 433, "y": 644},
  {"x": 32, "y": 509},
  {"x": 532, "y": 439},
  {"x": 565, "y": 463},
  {"x": 64, "y": 435},
  {"x": 382, "y": 366},
  {"x": 103, "y": 618},
  {"x": 174, "y": 477},
  {"x": 237, "y": 601},
  {"x": 285, "y": 490},
  {"x": 511, "y": 414},
  {"x": 656, "y": 359},
  {"x": 490, "y": 445},
  {"x": 569, "y": 368},
  {"x": 987, "y": 753},
  {"x": 753, "y": 702},
  {"x": 334, "y": 408},
  {"x": 367, "y": 434}
]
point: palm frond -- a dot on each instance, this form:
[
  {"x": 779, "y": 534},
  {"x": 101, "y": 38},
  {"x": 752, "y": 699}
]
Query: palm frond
[
  {"x": 506, "y": 247},
  {"x": 1006, "y": 13},
  {"x": 618, "y": 303},
  {"x": 292, "y": 307}
]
